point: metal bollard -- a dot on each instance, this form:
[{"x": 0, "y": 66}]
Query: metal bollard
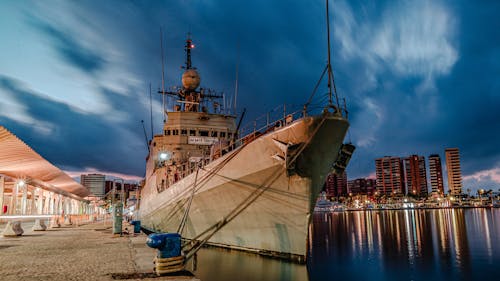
[
  {"x": 168, "y": 258},
  {"x": 137, "y": 226}
]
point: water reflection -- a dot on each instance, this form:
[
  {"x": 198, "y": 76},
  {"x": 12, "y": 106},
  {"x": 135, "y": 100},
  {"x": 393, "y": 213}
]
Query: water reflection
[
  {"x": 450, "y": 244},
  {"x": 441, "y": 244},
  {"x": 224, "y": 265}
]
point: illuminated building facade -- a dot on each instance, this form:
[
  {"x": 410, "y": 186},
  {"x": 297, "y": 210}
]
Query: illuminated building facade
[
  {"x": 454, "y": 171},
  {"x": 361, "y": 186},
  {"x": 389, "y": 171},
  {"x": 415, "y": 176},
  {"x": 94, "y": 183},
  {"x": 336, "y": 186},
  {"x": 436, "y": 175}
]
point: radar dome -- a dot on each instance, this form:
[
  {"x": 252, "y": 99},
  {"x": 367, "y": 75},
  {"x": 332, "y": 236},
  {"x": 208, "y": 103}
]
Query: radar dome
[{"x": 190, "y": 79}]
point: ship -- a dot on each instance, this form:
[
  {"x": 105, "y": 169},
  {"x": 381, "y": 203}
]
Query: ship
[{"x": 216, "y": 185}]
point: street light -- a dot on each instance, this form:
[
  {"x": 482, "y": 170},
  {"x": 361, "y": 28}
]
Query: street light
[
  {"x": 164, "y": 156},
  {"x": 21, "y": 183}
]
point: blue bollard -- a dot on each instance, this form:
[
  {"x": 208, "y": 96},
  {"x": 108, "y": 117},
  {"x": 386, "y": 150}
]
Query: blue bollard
[
  {"x": 168, "y": 244},
  {"x": 137, "y": 226}
]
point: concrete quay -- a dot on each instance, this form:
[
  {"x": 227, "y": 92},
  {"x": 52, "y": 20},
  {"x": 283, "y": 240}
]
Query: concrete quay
[{"x": 84, "y": 252}]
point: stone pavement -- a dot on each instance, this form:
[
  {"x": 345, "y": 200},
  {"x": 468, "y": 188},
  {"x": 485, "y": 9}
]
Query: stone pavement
[{"x": 87, "y": 252}]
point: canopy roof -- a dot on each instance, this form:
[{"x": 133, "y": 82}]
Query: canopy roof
[{"x": 18, "y": 160}]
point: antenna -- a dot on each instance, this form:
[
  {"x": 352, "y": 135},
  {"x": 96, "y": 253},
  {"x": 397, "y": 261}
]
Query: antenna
[
  {"x": 236, "y": 83},
  {"x": 162, "y": 77},
  {"x": 224, "y": 102},
  {"x": 188, "y": 47},
  {"x": 151, "y": 108},
  {"x": 145, "y": 135}
]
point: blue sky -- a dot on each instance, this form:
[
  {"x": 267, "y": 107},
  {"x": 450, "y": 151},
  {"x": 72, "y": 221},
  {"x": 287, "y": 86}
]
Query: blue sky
[{"x": 418, "y": 76}]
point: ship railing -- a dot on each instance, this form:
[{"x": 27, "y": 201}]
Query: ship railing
[
  {"x": 276, "y": 118},
  {"x": 280, "y": 116}
]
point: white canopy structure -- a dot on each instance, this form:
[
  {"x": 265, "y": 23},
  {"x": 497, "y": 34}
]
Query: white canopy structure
[{"x": 19, "y": 161}]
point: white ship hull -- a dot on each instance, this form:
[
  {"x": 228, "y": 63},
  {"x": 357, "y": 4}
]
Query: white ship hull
[{"x": 282, "y": 183}]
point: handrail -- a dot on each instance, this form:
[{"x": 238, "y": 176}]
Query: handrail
[{"x": 251, "y": 130}]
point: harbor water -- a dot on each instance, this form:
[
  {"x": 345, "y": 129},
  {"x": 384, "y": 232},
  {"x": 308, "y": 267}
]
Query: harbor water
[{"x": 436, "y": 244}]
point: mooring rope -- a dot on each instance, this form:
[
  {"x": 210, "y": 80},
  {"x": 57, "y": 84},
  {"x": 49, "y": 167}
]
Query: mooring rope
[
  {"x": 186, "y": 212},
  {"x": 210, "y": 231}
]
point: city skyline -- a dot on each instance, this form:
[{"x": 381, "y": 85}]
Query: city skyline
[
  {"x": 74, "y": 81},
  {"x": 408, "y": 174}
]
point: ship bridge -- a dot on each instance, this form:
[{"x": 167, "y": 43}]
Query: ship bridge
[{"x": 31, "y": 187}]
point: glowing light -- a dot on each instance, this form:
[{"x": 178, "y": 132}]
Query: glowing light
[
  {"x": 164, "y": 156},
  {"x": 21, "y": 183}
]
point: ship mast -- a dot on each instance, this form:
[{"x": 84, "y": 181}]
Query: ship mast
[
  {"x": 190, "y": 96},
  {"x": 332, "y": 90},
  {"x": 331, "y": 81},
  {"x": 187, "y": 48}
]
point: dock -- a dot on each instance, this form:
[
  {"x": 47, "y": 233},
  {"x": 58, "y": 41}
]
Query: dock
[{"x": 85, "y": 252}]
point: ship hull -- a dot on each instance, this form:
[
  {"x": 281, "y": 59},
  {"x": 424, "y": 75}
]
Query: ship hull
[{"x": 269, "y": 186}]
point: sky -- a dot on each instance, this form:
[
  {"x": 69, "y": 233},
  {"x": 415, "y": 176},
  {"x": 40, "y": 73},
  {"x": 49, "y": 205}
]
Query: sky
[{"x": 418, "y": 76}]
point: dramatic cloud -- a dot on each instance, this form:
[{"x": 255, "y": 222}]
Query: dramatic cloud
[
  {"x": 72, "y": 139},
  {"x": 70, "y": 50},
  {"x": 418, "y": 76}
]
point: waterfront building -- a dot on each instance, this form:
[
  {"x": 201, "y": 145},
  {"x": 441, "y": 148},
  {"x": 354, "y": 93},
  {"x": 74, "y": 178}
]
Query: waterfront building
[
  {"x": 130, "y": 188},
  {"x": 415, "y": 175},
  {"x": 361, "y": 186},
  {"x": 94, "y": 183},
  {"x": 454, "y": 171},
  {"x": 336, "y": 186},
  {"x": 436, "y": 175},
  {"x": 389, "y": 172}
]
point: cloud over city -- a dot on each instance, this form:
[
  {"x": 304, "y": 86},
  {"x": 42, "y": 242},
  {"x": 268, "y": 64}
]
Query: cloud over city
[{"x": 418, "y": 76}]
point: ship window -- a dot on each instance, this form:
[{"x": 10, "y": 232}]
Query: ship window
[
  {"x": 167, "y": 132},
  {"x": 229, "y": 135},
  {"x": 222, "y": 134},
  {"x": 204, "y": 133},
  {"x": 214, "y": 133},
  {"x": 192, "y": 132},
  {"x": 175, "y": 132},
  {"x": 184, "y": 132}
]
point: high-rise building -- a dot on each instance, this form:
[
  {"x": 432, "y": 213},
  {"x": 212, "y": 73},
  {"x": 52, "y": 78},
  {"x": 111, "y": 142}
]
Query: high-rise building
[
  {"x": 335, "y": 185},
  {"x": 415, "y": 175},
  {"x": 436, "y": 175},
  {"x": 454, "y": 171},
  {"x": 389, "y": 172},
  {"x": 361, "y": 186},
  {"x": 95, "y": 184}
]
